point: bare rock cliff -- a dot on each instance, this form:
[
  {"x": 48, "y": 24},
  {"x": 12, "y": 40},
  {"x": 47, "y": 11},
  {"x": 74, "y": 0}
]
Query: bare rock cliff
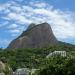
[{"x": 36, "y": 36}]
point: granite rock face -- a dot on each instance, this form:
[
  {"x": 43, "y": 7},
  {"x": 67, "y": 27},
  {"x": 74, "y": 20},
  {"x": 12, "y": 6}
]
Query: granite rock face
[{"x": 36, "y": 36}]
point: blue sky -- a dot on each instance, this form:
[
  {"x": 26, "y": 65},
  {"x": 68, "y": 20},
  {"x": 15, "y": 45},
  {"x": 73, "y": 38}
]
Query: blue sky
[{"x": 16, "y": 15}]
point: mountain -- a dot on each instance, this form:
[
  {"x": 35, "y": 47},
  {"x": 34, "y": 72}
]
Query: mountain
[
  {"x": 36, "y": 36},
  {"x": 33, "y": 55}
]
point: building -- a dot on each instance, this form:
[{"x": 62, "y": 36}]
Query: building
[
  {"x": 22, "y": 71},
  {"x": 56, "y": 53}
]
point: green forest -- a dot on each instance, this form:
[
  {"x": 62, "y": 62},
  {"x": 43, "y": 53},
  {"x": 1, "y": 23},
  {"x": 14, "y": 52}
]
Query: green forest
[{"x": 36, "y": 58}]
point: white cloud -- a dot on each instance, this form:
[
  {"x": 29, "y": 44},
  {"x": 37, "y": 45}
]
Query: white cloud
[
  {"x": 18, "y": 18},
  {"x": 3, "y": 6},
  {"x": 14, "y": 31},
  {"x": 38, "y": 4},
  {"x": 3, "y": 24},
  {"x": 12, "y": 26},
  {"x": 4, "y": 42}
]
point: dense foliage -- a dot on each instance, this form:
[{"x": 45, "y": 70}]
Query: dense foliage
[
  {"x": 58, "y": 66},
  {"x": 36, "y": 58}
]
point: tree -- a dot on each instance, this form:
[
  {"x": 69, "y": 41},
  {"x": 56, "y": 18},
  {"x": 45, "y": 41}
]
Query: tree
[{"x": 58, "y": 66}]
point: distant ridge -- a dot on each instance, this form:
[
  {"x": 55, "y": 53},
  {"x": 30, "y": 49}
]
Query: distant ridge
[{"x": 36, "y": 36}]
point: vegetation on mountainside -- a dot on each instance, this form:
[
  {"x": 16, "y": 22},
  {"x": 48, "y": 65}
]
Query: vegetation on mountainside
[
  {"x": 36, "y": 58},
  {"x": 58, "y": 66},
  {"x": 31, "y": 58}
]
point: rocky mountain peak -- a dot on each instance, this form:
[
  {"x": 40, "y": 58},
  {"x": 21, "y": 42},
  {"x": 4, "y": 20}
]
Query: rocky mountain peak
[
  {"x": 36, "y": 36},
  {"x": 31, "y": 26}
]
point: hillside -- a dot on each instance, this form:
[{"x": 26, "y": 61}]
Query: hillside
[{"x": 32, "y": 57}]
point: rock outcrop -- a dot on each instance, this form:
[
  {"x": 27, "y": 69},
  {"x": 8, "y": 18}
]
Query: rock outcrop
[{"x": 36, "y": 36}]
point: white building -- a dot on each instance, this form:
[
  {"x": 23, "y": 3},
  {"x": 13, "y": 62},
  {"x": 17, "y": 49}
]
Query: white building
[
  {"x": 55, "y": 53},
  {"x": 22, "y": 71},
  {"x": 25, "y": 71}
]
